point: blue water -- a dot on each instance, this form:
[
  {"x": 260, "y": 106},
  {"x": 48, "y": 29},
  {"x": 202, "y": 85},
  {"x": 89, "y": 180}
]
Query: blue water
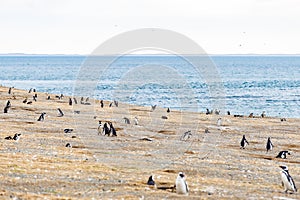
[{"x": 249, "y": 83}]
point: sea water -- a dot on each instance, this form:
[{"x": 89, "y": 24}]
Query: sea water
[{"x": 246, "y": 84}]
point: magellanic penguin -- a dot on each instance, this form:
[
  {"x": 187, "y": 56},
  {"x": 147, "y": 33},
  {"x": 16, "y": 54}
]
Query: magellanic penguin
[
  {"x": 153, "y": 107},
  {"x": 68, "y": 130},
  {"x": 181, "y": 185},
  {"x": 136, "y": 121},
  {"x": 105, "y": 129},
  {"x": 287, "y": 180},
  {"x": 244, "y": 142},
  {"x": 60, "y": 112},
  {"x": 263, "y": 114},
  {"x": 9, "y": 90},
  {"x": 17, "y": 136},
  {"x": 100, "y": 128},
  {"x": 6, "y": 108},
  {"x": 282, "y": 154},
  {"x": 269, "y": 145},
  {"x": 112, "y": 130},
  {"x": 42, "y": 117},
  {"x": 151, "y": 181},
  {"x": 69, "y": 145},
  {"x": 70, "y": 101},
  {"x": 219, "y": 122},
  {"x": 127, "y": 121}
]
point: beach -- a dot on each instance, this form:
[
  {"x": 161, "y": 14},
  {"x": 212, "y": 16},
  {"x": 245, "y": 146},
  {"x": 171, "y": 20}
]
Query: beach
[{"x": 39, "y": 166}]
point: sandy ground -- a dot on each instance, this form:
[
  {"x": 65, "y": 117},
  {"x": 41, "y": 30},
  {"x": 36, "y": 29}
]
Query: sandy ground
[{"x": 39, "y": 166}]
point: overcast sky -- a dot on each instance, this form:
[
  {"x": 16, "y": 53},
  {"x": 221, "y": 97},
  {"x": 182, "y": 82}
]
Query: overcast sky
[{"x": 218, "y": 26}]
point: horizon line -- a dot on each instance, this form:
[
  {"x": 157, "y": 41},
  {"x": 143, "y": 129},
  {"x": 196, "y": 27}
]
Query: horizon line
[{"x": 154, "y": 54}]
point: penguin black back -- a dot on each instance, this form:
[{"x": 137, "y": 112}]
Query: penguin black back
[
  {"x": 244, "y": 142},
  {"x": 269, "y": 145},
  {"x": 150, "y": 181},
  {"x": 112, "y": 130}
]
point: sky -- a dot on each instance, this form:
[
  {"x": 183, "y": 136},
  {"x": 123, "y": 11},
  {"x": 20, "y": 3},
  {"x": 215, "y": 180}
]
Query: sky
[{"x": 218, "y": 26}]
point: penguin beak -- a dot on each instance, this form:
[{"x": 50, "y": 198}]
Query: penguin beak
[{"x": 282, "y": 167}]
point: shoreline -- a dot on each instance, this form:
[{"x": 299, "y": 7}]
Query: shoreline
[
  {"x": 40, "y": 166},
  {"x": 185, "y": 110}
]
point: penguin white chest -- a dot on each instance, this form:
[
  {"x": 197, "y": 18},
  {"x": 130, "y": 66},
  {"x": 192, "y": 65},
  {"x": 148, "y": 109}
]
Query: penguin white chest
[
  {"x": 286, "y": 183},
  {"x": 181, "y": 186}
]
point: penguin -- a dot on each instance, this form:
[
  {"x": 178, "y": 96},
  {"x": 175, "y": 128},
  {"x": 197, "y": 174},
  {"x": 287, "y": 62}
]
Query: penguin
[
  {"x": 110, "y": 105},
  {"x": 100, "y": 128},
  {"x": 269, "y": 145},
  {"x": 136, "y": 121},
  {"x": 228, "y": 112},
  {"x": 48, "y": 98},
  {"x": 75, "y": 100},
  {"x": 105, "y": 129},
  {"x": 287, "y": 180},
  {"x": 29, "y": 102},
  {"x": 69, "y": 145},
  {"x": 153, "y": 108},
  {"x": 5, "y": 109},
  {"x": 60, "y": 112},
  {"x": 150, "y": 181},
  {"x": 16, "y": 137},
  {"x": 30, "y": 90},
  {"x": 116, "y": 103},
  {"x": 187, "y": 135},
  {"x": 282, "y": 154},
  {"x": 127, "y": 121},
  {"x": 207, "y": 111},
  {"x": 244, "y": 142},
  {"x": 112, "y": 130},
  {"x": 263, "y": 114},
  {"x": 101, "y": 104},
  {"x": 164, "y": 117},
  {"x": 25, "y": 100},
  {"x": 9, "y": 90},
  {"x": 219, "y": 122},
  {"x": 181, "y": 185},
  {"x": 168, "y": 110},
  {"x": 206, "y": 130},
  {"x": 7, "y": 106},
  {"x": 68, "y": 130},
  {"x": 8, "y": 138},
  {"x": 42, "y": 117},
  {"x": 34, "y": 98},
  {"x": 70, "y": 102},
  {"x": 251, "y": 115}
]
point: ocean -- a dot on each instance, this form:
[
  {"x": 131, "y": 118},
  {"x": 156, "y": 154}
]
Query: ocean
[{"x": 242, "y": 84}]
